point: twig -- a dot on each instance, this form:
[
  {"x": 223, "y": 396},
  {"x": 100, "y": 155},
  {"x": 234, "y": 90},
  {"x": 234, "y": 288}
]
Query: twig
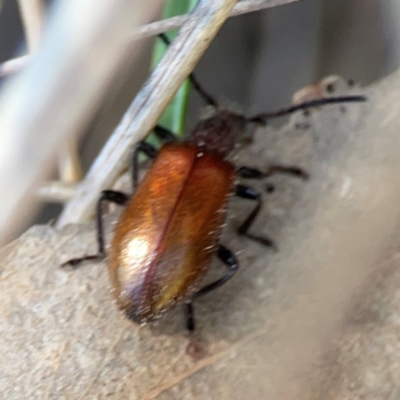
[
  {"x": 56, "y": 191},
  {"x": 143, "y": 113},
  {"x": 242, "y": 7},
  {"x": 13, "y": 65},
  {"x": 46, "y": 102},
  {"x": 155, "y": 28},
  {"x": 69, "y": 164}
]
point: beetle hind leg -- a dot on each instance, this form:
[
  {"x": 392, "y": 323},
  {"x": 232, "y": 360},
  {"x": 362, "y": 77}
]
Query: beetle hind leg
[
  {"x": 107, "y": 195},
  {"x": 76, "y": 262},
  {"x": 188, "y": 312},
  {"x": 230, "y": 260}
]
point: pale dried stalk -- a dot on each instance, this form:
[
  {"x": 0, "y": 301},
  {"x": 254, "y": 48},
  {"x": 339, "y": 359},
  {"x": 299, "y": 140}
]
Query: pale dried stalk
[
  {"x": 145, "y": 110},
  {"x": 45, "y": 103},
  {"x": 32, "y": 15},
  {"x": 13, "y": 65},
  {"x": 56, "y": 191},
  {"x": 155, "y": 28},
  {"x": 69, "y": 164},
  {"x": 242, "y": 7}
]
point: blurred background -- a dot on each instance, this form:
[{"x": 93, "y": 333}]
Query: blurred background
[{"x": 257, "y": 61}]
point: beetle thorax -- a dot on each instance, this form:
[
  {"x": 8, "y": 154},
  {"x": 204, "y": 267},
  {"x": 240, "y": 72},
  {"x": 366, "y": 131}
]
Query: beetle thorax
[{"x": 218, "y": 133}]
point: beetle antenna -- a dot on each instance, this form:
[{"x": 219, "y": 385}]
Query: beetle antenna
[
  {"x": 197, "y": 86},
  {"x": 264, "y": 117}
]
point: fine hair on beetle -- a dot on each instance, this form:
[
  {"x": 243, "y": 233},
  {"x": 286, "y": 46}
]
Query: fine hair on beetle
[{"x": 170, "y": 227}]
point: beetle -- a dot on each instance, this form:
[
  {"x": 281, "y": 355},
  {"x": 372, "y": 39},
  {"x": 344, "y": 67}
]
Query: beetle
[{"x": 170, "y": 228}]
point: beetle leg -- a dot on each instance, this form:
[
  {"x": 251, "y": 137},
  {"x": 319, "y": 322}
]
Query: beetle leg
[
  {"x": 229, "y": 259},
  {"x": 106, "y": 195},
  {"x": 251, "y": 194},
  {"x": 141, "y": 147},
  {"x": 164, "y": 134},
  {"x": 286, "y": 169},
  {"x": 253, "y": 173},
  {"x": 189, "y": 316},
  {"x": 150, "y": 151}
]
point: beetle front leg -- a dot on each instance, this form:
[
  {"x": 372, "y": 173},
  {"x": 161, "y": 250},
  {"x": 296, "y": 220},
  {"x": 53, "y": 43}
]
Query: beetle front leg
[
  {"x": 107, "y": 195},
  {"x": 230, "y": 260},
  {"x": 145, "y": 148},
  {"x": 150, "y": 151},
  {"x": 251, "y": 194},
  {"x": 165, "y": 134}
]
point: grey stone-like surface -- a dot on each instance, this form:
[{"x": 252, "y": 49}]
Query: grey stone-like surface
[{"x": 319, "y": 318}]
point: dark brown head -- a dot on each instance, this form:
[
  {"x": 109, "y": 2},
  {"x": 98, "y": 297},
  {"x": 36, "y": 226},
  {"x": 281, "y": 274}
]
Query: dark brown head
[{"x": 219, "y": 133}]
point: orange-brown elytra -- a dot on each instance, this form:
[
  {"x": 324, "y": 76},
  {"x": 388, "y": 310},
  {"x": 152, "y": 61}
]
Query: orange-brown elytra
[{"x": 170, "y": 229}]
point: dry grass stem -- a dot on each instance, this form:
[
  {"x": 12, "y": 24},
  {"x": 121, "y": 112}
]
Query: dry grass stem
[
  {"x": 56, "y": 191},
  {"x": 155, "y": 28},
  {"x": 144, "y": 111},
  {"x": 32, "y": 15}
]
